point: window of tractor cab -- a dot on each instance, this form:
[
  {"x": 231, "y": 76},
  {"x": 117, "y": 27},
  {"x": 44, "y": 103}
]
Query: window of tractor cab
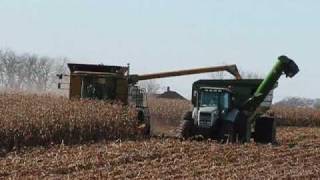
[
  {"x": 214, "y": 97},
  {"x": 98, "y": 88}
]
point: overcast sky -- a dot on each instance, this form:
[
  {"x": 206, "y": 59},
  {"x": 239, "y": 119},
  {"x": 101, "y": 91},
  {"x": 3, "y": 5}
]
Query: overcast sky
[{"x": 161, "y": 35}]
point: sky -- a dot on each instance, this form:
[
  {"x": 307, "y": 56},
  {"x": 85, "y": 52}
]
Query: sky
[{"x": 162, "y": 35}]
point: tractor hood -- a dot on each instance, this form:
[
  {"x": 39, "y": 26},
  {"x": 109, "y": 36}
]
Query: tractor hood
[
  {"x": 207, "y": 116},
  {"x": 208, "y": 109}
]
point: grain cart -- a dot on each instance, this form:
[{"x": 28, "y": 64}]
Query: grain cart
[
  {"x": 233, "y": 109},
  {"x": 115, "y": 83}
]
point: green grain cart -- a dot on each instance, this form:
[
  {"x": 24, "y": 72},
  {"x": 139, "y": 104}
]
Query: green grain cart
[{"x": 233, "y": 110}]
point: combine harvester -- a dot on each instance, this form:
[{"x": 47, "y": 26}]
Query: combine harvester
[{"x": 223, "y": 109}]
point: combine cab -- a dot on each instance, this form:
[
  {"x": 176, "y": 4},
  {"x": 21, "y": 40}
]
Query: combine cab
[{"x": 98, "y": 82}]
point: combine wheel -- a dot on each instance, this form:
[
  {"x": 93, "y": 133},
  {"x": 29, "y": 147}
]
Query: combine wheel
[
  {"x": 265, "y": 130},
  {"x": 144, "y": 122},
  {"x": 186, "y": 127},
  {"x": 141, "y": 117},
  {"x": 147, "y": 129}
]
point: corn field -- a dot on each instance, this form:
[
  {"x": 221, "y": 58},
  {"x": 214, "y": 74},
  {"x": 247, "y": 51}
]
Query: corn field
[
  {"x": 290, "y": 116},
  {"x": 30, "y": 120}
]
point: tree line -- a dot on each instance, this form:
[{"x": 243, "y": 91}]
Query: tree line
[{"x": 29, "y": 71}]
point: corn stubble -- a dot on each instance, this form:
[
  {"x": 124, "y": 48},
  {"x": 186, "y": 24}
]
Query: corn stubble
[{"x": 297, "y": 156}]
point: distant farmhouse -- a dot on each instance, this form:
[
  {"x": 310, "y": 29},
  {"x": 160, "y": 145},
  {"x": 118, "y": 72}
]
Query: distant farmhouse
[{"x": 169, "y": 94}]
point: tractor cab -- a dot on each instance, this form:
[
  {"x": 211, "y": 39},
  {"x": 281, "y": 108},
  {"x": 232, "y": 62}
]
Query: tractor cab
[{"x": 212, "y": 104}]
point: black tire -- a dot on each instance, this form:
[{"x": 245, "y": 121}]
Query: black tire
[
  {"x": 227, "y": 132},
  {"x": 186, "y": 126},
  {"x": 141, "y": 118},
  {"x": 265, "y": 130},
  {"x": 242, "y": 129},
  {"x": 187, "y": 116},
  {"x": 147, "y": 129}
]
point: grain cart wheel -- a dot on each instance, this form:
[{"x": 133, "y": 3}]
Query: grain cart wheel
[
  {"x": 186, "y": 126},
  {"x": 265, "y": 130}
]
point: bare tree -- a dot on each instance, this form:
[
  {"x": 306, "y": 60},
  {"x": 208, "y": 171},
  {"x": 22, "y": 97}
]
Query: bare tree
[
  {"x": 220, "y": 74},
  {"x": 42, "y": 73},
  {"x": 29, "y": 72},
  {"x": 30, "y": 64},
  {"x": 244, "y": 74},
  {"x": 10, "y": 65},
  {"x": 151, "y": 86},
  {"x": 250, "y": 75},
  {"x": 59, "y": 67}
]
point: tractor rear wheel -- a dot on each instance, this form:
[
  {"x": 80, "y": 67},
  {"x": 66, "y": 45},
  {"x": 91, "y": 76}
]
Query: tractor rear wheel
[
  {"x": 265, "y": 130},
  {"x": 186, "y": 126}
]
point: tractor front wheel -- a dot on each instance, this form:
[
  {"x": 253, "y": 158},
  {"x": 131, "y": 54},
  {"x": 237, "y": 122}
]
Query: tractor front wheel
[{"x": 185, "y": 129}]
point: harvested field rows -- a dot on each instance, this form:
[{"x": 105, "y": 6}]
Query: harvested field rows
[{"x": 297, "y": 156}]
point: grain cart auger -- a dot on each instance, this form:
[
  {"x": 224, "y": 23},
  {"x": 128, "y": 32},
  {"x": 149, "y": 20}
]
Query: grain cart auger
[
  {"x": 114, "y": 83},
  {"x": 233, "y": 110}
]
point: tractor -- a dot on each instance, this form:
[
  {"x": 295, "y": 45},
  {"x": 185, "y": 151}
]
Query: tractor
[{"x": 235, "y": 110}]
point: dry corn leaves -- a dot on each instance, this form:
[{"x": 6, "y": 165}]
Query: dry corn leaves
[
  {"x": 166, "y": 114},
  {"x": 303, "y": 116},
  {"x": 297, "y": 156},
  {"x": 28, "y": 120},
  {"x": 168, "y": 111}
]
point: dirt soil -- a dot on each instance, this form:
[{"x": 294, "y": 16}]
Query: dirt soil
[{"x": 296, "y": 156}]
